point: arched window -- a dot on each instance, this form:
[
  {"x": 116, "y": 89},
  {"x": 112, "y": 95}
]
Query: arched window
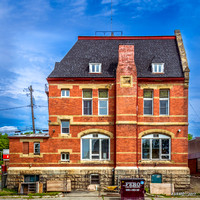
[
  {"x": 156, "y": 147},
  {"x": 95, "y": 147}
]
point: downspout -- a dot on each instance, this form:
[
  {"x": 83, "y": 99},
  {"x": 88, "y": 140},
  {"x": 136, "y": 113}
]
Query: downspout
[
  {"x": 137, "y": 127},
  {"x": 113, "y": 170}
]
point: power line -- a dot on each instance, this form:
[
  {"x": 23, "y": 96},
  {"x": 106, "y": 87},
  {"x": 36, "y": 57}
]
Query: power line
[{"x": 14, "y": 108}]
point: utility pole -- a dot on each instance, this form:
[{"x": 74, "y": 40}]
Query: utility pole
[
  {"x": 30, "y": 93},
  {"x": 32, "y": 111}
]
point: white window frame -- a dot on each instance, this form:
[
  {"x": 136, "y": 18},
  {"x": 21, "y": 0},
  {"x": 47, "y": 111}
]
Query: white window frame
[
  {"x": 65, "y": 127},
  {"x": 148, "y": 99},
  {"x": 160, "y": 137},
  {"x": 66, "y": 153},
  {"x": 164, "y": 99},
  {"x": 102, "y": 99},
  {"x": 95, "y": 67},
  {"x": 35, "y": 147},
  {"x": 100, "y": 137},
  {"x": 65, "y": 93},
  {"x": 86, "y": 100},
  {"x": 157, "y": 68}
]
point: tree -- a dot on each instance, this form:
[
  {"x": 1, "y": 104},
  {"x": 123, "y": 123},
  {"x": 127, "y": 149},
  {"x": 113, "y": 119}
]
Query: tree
[
  {"x": 190, "y": 136},
  {"x": 4, "y": 141}
]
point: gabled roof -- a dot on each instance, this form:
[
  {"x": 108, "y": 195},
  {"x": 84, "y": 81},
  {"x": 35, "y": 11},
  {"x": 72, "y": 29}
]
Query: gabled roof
[{"x": 104, "y": 50}]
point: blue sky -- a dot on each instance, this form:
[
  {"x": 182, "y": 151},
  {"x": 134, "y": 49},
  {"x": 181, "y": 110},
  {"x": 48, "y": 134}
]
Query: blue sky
[{"x": 37, "y": 33}]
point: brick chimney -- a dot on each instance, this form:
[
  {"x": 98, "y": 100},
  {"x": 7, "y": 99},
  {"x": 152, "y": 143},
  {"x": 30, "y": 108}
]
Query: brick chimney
[{"x": 126, "y": 107}]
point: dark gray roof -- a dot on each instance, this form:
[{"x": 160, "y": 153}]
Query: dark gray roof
[{"x": 76, "y": 62}]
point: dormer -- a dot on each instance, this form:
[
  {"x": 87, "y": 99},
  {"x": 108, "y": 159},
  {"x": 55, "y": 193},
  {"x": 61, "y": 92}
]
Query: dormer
[
  {"x": 94, "y": 67},
  {"x": 157, "y": 68}
]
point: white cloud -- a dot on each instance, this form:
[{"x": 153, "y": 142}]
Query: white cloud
[{"x": 8, "y": 129}]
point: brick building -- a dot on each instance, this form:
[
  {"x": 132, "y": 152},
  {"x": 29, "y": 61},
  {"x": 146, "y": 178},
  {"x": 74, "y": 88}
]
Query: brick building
[{"x": 117, "y": 106}]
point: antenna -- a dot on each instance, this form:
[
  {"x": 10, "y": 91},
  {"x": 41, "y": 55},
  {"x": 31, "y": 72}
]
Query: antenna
[{"x": 111, "y": 19}]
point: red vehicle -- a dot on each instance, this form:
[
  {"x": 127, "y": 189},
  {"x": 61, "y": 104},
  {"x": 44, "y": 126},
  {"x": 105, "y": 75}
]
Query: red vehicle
[{"x": 132, "y": 189}]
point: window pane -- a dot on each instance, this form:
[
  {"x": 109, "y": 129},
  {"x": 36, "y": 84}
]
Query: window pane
[
  {"x": 148, "y": 93},
  {"x": 104, "y": 148},
  {"x": 103, "y": 107},
  {"x": 87, "y": 109},
  {"x": 37, "y": 147},
  {"x": 65, "y": 130},
  {"x": 103, "y": 93},
  {"x": 97, "y": 68},
  {"x": 145, "y": 148},
  {"x": 164, "y": 107},
  {"x": 155, "y": 68},
  {"x": 165, "y": 146},
  {"x": 65, "y": 124},
  {"x": 63, "y": 156},
  {"x": 63, "y": 92},
  {"x": 165, "y": 157},
  {"x": 95, "y": 146},
  {"x": 67, "y": 93},
  {"x": 85, "y": 149},
  {"x": 164, "y": 93},
  {"x": 93, "y": 68},
  {"x": 155, "y": 148},
  {"x": 159, "y": 68},
  {"x": 148, "y": 107},
  {"x": 87, "y": 93}
]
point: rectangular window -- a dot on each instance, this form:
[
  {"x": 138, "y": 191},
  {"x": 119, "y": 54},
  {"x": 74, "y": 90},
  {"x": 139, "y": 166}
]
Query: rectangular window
[
  {"x": 36, "y": 148},
  {"x": 65, "y": 93},
  {"x": 87, "y": 102},
  {"x": 31, "y": 178},
  {"x": 156, "y": 149},
  {"x": 103, "y": 102},
  {"x": 94, "y": 179},
  {"x": 148, "y": 102},
  {"x": 164, "y": 102},
  {"x": 65, "y": 156},
  {"x": 95, "y": 67},
  {"x": 158, "y": 67},
  {"x": 65, "y": 127},
  {"x": 25, "y": 147},
  {"x": 95, "y": 148}
]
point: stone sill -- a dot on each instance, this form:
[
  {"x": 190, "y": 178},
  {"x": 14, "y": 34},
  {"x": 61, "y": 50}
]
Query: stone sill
[
  {"x": 153, "y": 162},
  {"x": 96, "y": 162}
]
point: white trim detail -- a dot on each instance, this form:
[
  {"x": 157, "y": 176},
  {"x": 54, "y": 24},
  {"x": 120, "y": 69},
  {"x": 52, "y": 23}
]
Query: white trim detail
[{"x": 95, "y": 67}]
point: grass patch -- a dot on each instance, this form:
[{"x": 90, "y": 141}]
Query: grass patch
[
  {"x": 43, "y": 194},
  {"x": 7, "y": 192}
]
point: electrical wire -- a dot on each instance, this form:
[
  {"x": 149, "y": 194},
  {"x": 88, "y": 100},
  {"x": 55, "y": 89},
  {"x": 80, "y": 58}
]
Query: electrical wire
[{"x": 14, "y": 108}]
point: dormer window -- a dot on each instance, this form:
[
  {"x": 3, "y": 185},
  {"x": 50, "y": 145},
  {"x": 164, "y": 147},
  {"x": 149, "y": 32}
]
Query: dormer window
[
  {"x": 157, "y": 67},
  {"x": 95, "y": 67}
]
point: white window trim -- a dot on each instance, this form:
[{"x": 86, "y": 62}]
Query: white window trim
[
  {"x": 148, "y": 99},
  {"x": 65, "y": 156},
  {"x": 65, "y": 127},
  {"x": 164, "y": 99},
  {"x": 35, "y": 147},
  {"x": 157, "y": 64},
  {"x": 87, "y": 99},
  {"x": 160, "y": 137},
  {"x": 65, "y": 96},
  {"x": 95, "y": 64},
  {"x": 103, "y": 99},
  {"x": 100, "y": 136}
]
